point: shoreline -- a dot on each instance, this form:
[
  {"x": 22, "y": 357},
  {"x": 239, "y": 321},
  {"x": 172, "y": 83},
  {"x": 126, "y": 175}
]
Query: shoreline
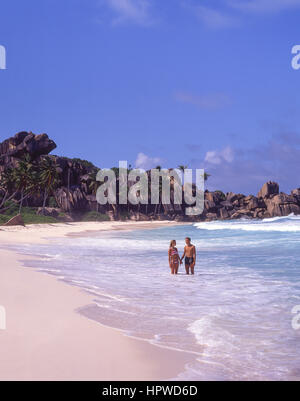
[
  {"x": 48, "y": 339},
  {"x": 41, "y": 233}
]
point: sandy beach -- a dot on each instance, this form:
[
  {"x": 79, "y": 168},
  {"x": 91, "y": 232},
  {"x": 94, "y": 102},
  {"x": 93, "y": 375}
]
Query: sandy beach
[{"x": 47, "y": 339}]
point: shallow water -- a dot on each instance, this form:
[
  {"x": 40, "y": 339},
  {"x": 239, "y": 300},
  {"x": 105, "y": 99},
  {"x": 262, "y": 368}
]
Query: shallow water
[{"x": 234, "y": 314}]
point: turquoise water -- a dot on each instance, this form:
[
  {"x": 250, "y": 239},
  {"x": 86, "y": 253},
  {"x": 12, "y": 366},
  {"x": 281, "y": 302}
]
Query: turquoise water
[{"x": 234, "y": 315}]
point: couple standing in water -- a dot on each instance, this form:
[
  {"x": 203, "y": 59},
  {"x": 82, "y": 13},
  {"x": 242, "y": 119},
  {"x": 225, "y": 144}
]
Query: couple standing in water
[{"x": 189, "y": 256}]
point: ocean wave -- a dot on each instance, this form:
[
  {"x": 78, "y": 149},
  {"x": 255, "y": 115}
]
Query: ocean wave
[{"x": 289, "y": 223}]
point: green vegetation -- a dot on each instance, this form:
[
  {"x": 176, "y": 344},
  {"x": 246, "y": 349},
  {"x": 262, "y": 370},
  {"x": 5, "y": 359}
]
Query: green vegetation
[
  {"x": 28, "y": 214},
  {"x": 52, "y": 202},
  {"x": 182, "y": 167},
  {"x": 24, "y": 178},
  {"x": 206, "y": 176},
  {"x": 85, "y": 163},
  {"x": 94, "y": 216},
  {"x": 3, "y": 219},
  {"x": 123, "y": 215},
  {"x": 10, "y": 208},
  {"x": 30, "y": 217},
  {"x": 34, "y": 182},
  {"x": 29, "y": 178},
  {"x": 48, "y": 176},
  {"x": 221, "y": 193}
]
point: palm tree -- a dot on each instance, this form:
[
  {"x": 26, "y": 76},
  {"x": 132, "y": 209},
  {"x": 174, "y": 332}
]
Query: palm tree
[
  {"x": 94, "y": 184},
  {"x": 158, "y": 206},
  {"x": 49, "y": 178},
  {"x": 181, "y": 167},
  {"x": 7, "y": 186},
  {"x": 206, "y": 176},
  {"x": 24, "y": 176}
]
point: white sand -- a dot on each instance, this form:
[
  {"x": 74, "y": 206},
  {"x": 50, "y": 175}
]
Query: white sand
[{"x": 46, "y": 339}]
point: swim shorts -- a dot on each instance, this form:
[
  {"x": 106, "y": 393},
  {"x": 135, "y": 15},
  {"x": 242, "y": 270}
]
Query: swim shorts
[{"x": 189, "y": 261}]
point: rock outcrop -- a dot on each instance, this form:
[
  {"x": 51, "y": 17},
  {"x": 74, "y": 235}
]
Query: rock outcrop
[
  {"x": 48, "y": 211},
  {"x": 282, "y": 205},
  {"x": 15, "y": 221},
  {"x": 268, "y": 189},
  {"x": 71, "y": 199},
  {"x": 74, "y": 175},
  {"x": 76, "y": 192},
  {"x": 268, "y": 203},
  {"x": 13, "y": 149}
]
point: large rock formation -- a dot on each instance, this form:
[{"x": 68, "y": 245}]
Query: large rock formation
[
  {"x": 268, "y": 203},
  {"x": 13, "y": 149},
  {"x": 74, "y": 175},
  {"x": 15, "y": 221},
  {"x": 268, "y": 189},
  {"x": 296, "y": 194},
  {"x": 71, "y": 199},
  {"x": 76, "y": 193},
  {"x": 282, "y": 205}
]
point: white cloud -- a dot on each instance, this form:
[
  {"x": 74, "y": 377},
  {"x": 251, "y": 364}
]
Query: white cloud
[
  {"x": 211, "y": 101},
  {"x": 224, "y": 15},
  {"x": 228, "y": 13},
  {"x": 136, "y": 11},
  {"x": 247, "y": 169},
  {"x": 146, "y": 162},
  {"x": 218, "y": 157}
]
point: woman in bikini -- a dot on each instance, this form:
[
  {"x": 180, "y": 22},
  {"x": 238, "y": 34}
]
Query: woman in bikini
[{"x": 174, "y": 258}]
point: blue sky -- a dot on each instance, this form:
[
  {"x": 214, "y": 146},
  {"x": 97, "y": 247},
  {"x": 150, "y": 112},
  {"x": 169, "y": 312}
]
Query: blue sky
[{"x": 197, "y": 82}]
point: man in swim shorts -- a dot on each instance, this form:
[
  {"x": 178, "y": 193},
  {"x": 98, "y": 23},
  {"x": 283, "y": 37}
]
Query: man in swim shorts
[{"x": 190, "y": 256}]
